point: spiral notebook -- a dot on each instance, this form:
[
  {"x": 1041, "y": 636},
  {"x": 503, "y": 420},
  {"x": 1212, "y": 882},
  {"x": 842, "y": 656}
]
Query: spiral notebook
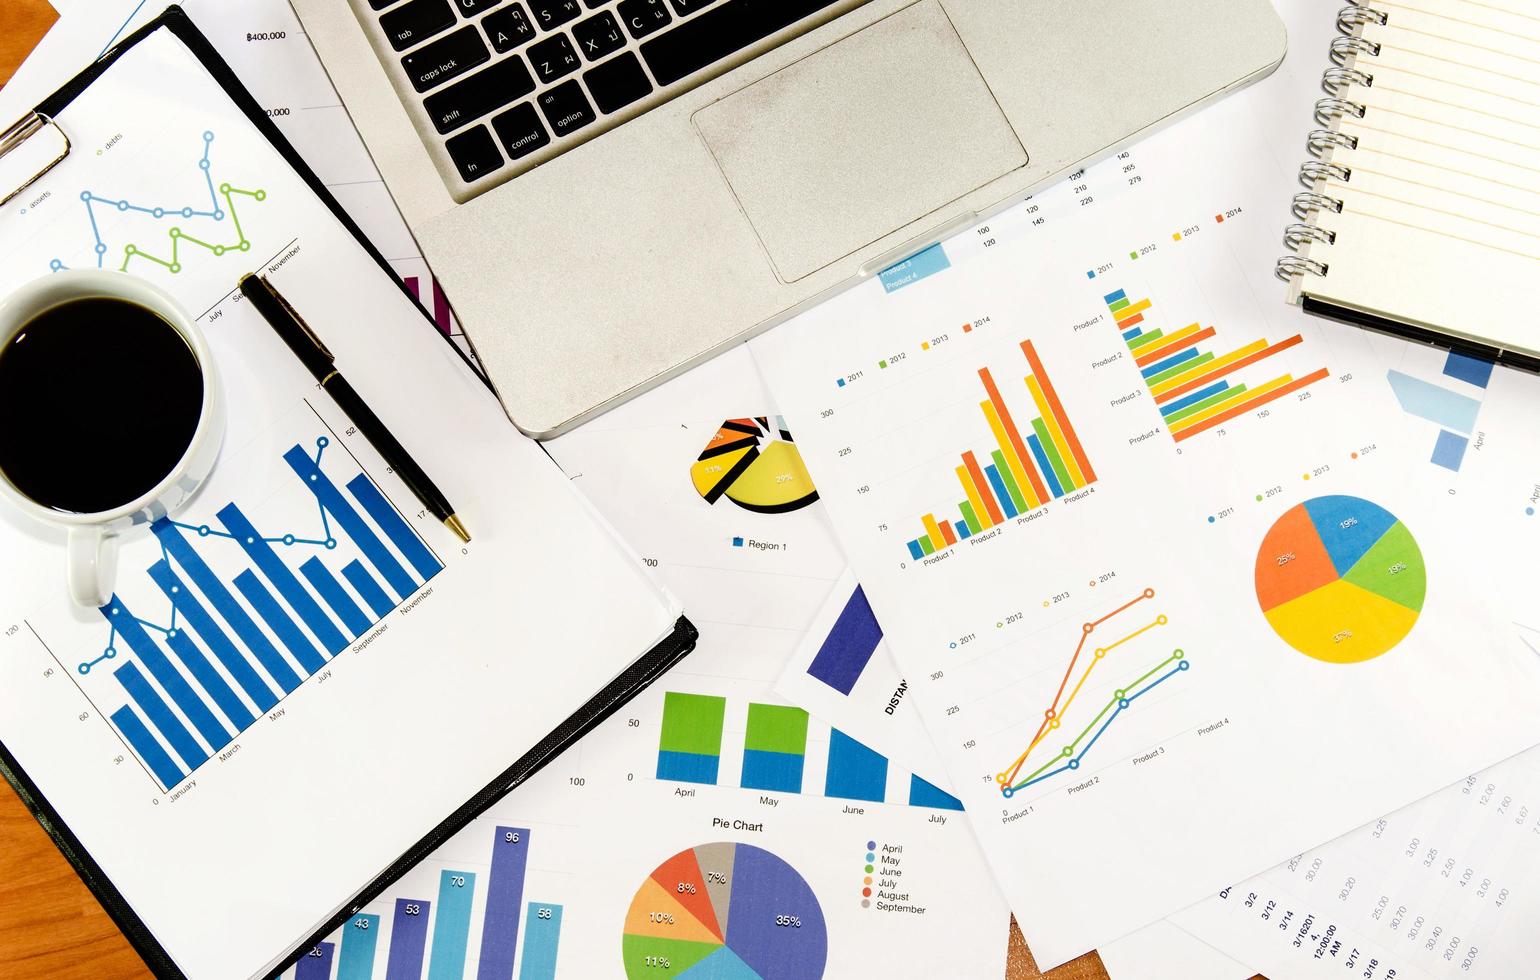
[{"x": 1421, "y": 214}]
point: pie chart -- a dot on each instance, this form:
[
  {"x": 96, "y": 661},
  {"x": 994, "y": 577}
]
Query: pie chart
[
  {"x": 753, "y": 463},
  {"x": 725, "y": 911},
  {"x": 1340, "y": 579}
]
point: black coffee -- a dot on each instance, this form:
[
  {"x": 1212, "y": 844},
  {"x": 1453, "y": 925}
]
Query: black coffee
[{"x": 99, "y": 399}]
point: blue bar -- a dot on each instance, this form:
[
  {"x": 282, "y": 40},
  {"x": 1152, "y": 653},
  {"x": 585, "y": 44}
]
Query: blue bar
[
  {"x": 245, "y": 629},
  {"x": 395, "y": 527},
  {"x": 364, "y": 584},
  {"x": 855, "y": 771},
  {"x": 287, "y": 585},
  {"x": 778, "y": 772},
  {"x": 323, "y": 581},
  {"x": 193, "y": 659},
  {"x": 1169, "y": 362},
  {"x": 915, "y": 551},
  {"x": 359, "y": 938},
  {"x": 316, "y": 964},
  {"x": 160, "y": 715},
  {"x": 279, "y": 622},
  {"x": 1132, "y": 333},
  {"x": 1473, "y": 370},
  {"x": 145, "y": 745},
  {"x": 408, "y": 938},
  {"x": 336, "y": 505},
  {"x": 923, "y": 793},
  {"x": 1193, "y": 398},
  {"x": 505, "y": 894},
  {"x": 1111, "y": 298},
  {"x": 1449, "y": 450},
  {"x": 542, "y": 931},
  {"x": 1046, "y": 467},
  {"x": 452, "y": 927},
  {"x": 926, "y": 262},
  {"x": 961, "y": 527},
  {"x": 162, "y": 669},
  {"x": 1001, "y": 493},
  {"x": 848, "y": 648},
  {"x": 688, "y": 767}
]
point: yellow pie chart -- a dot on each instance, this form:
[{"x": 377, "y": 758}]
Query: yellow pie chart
[{"x": 753, "y": 463}]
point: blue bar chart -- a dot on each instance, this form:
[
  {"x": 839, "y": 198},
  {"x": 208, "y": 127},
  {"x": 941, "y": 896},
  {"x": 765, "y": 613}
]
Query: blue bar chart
[{"x": 1451, "y": 408}]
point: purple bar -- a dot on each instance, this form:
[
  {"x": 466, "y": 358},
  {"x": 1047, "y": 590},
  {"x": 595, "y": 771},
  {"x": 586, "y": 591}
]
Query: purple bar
[
  {"x": 849, "y": 646},
  {"x": 505, "y": 897},
  {"x": 316, "y": 964},
  {"x": 408, "y": 939}
]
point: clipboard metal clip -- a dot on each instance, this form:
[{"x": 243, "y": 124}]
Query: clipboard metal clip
[{"x": 18, "y": 133}]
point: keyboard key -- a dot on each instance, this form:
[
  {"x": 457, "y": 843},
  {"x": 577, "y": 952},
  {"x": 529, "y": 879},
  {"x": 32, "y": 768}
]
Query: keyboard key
[
  {"x": 566, "y": 108},
  {"x": 449, "y": 57},
  {"x": 480, "y": 94},
  {"x": 470, "y": 8},
  {"x": 474, "y": 154},
  {"x": 617, "y": 83},
  {"x": 416, "y": 21},
  {"x": 598, "y": 36},
  {"x": 642, "y": 17},
  {"x": 596, "y": 4},
  {"x": 553, "y": 58},
  {"x": 683, "y": 7},
  {"x": 554, "y": 13},
  {"x": 718, "y": 32},
  {"x": 520, "y": 131},
  {"x": 508, "y": 28},
  {"x": 380, "y": 4}
]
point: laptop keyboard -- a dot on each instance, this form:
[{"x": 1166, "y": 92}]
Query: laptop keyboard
[{"x": 500, "y": 80}]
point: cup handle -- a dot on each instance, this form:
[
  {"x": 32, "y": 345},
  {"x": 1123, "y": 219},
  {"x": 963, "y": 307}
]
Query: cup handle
[{"x": 92, "y": 564}]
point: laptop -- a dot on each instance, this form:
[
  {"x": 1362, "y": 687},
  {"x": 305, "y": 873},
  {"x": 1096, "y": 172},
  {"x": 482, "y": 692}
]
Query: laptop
[{"x": 610, "y": 191}]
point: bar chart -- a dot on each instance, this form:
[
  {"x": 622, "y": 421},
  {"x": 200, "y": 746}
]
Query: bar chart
[
  {"x": 1452, "y": 408},
  {"x": 1189, "y": 383},
  {"x": 1022, "y": 474},
  {"x": 775, "y": 754},
  {"x": 232, "y": 618}
]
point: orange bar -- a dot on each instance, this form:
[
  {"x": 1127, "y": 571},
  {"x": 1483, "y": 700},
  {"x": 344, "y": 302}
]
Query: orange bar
[
  {"x": 1132, "y": 321},
  {"x": 948, "y": 533},
  {"x": 1166, "y": 351},
  {"x": 1058, "y": 411},
  {"x": 1204, "y": 378},
  {"x": 995, "y": 516},
  {"x": 1246, "y": 406},
  {"x": 1016, "y": 442}
]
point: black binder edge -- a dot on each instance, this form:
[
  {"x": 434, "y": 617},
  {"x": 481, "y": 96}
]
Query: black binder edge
[
  {"x": 631, "y": 682},
  {"x": 1421, "y": 335}
]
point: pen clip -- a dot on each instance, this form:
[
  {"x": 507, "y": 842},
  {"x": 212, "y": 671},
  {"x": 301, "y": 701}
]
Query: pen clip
[{"x": 289, "y": 309}]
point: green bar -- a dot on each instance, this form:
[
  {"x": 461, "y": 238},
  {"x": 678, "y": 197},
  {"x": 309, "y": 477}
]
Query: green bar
[
  {"x": 1145, "y": 338},
  {"x": 1119, "y": 304},
  {"x": 1208, "y": 402},
  {"x": 974, "y": 526},
  {"x": 1172, "y": 372},
  {"x": 1010, "y": 481},
  {"x": 776, "y": 728},
  {"x": 692, "y": 723},
  {"x": 926, "y": 546},
  {"x": 1054, "y": 459}
]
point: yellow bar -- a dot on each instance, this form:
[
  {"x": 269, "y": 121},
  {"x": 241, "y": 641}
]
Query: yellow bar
[
  {"x": 1022, "y": 483},
  {"x": 1208, "y": 366},
  {"x": 1170, "y": 338},
  {"x": 974, "y": 500},
  {"x": 934, "y": 530},
  {"x": 1251, "y": 395},
  {"x": 1131, "y": 310},
  {"x": 1052, "y": 421}
]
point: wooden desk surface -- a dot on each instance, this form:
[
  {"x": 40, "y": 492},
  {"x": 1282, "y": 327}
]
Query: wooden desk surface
[{"x": 50, "y": 925}]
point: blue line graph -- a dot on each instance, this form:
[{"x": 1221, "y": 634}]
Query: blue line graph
[{"x": 121, "y": 28}]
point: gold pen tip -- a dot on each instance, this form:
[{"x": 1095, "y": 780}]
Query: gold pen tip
[{"x": 453, "y": 523}]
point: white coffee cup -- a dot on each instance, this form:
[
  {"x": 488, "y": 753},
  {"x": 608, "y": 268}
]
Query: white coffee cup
[{"x": 93, "y": 538}]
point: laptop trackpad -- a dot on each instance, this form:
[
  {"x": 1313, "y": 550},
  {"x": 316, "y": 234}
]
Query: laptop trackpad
[{"x": 857, "y": 140}]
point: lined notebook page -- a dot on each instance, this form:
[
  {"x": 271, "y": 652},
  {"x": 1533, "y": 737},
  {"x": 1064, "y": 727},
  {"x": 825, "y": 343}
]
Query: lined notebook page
[{"x": 1440, "y": 224}]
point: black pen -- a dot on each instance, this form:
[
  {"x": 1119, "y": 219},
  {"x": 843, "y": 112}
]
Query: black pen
[{"x": 320, "y": 362}]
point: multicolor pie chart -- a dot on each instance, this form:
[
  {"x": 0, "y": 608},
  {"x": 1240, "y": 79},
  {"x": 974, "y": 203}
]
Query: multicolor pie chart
[
  {"x": 725, "y": 911},
  {"x": 1340, "y": 579},
  {"x": 753, "y": 463}
]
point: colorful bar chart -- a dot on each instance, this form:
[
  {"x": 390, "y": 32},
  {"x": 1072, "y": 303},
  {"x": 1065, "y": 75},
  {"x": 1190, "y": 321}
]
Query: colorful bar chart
[
  {"x": 690, "y": 750},
  {"x": 1454, "y": 412},
  {"x": 774, "y": 748},
  {"x": 1188, "y": 382},
  {"x": 848, "y": 648},
  {"x": 1019, "y": 474},
  {"x": 207, "y": 668}
]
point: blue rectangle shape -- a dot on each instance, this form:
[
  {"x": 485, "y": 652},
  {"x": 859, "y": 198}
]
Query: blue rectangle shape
[
  {"x": 360, "y": 937},
  {"x": 855, "y": 771},
  {"x": 852, "y": 640},
  {"x": 246, "y": 630},
  {"x": 1131, "y": 334},
  {"x": 1438, "y": 405},
  {"x": 165, "y": 673},
  {"x": 351, "y": 522},
  {"x": 505, "y": 894},
  {"x": 323, "y": 581},
  {"x": 452, "y": 926},
  {"x": 160, "y": 715},
  {"x": 1002, "y": 495},
  {"x": 395, "y": 527},
  {"x": 542, "y": 933},
  {"x": 915, "y": 551},
  {"x": 1449, "y": 450},
  {"x": 1111, "y": 298},
  {"x": 364, "y": 584},
  {"x": 926, "y": 262},
  {"x": 923, "y": 793},
  {"x": 840, "y": 382},
  {"x": 1045, "y": 467},
  {"x": 779, "y": 772},
  {"x": 688, "y": 767},
  {"x": 191, "y": 610},
  {"x": 1193, "y": 398},
  {"x": 1169, "y": 362},
  {"x": 1473, "y": 370},
  {"x": 408, "y": 939},
  {"x": 961, "y": 527},
  {"x": 181, "y": 644},
  {"x": 162, "y": 765},
  {"x": 287, "y": 585},
  {"x": 316, "y": 964},
  {"x": 279, "y": 622}
]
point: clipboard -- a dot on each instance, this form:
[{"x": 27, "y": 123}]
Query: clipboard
[{"x": 37, "y": 125}]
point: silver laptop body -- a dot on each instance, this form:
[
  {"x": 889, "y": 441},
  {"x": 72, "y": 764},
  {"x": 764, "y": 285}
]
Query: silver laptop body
[{"x": 606, "y": 205}]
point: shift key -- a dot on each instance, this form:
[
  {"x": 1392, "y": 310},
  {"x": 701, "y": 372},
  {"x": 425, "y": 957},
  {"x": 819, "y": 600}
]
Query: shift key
[{"x": 487, "y": 90}]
